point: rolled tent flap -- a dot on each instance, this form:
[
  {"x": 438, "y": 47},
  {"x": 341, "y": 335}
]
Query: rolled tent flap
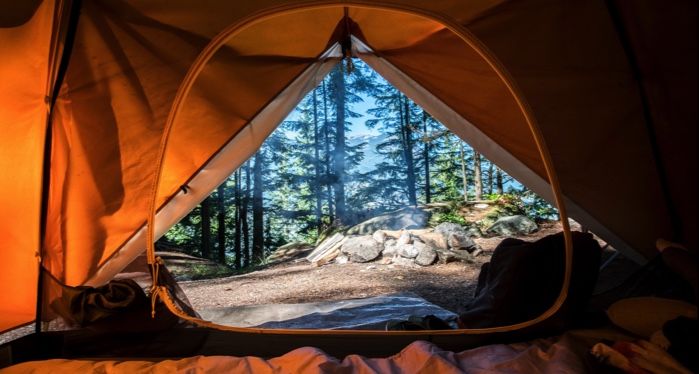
[{"x": 25, "y": 37}]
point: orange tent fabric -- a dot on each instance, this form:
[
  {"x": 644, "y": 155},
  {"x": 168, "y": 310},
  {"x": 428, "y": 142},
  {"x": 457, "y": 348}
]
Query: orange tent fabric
[{"x": 576, "y": 65}]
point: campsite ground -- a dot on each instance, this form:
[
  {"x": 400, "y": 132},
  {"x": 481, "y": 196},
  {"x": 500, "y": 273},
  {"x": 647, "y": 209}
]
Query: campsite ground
[{"x": 450, "y": 286}]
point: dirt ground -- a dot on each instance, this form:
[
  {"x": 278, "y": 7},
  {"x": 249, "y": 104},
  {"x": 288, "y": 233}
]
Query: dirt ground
[{"x": 450, "y": 286}]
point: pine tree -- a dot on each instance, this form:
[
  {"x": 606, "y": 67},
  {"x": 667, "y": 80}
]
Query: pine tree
[
  {"x": 238, "y": 237},
  {"x": 221, "y": 218},
  {"x": 257, "y": 209},
  {"x": 477, "y": 176},
  {"x": 206, "y": 228},
  {"x": 245, "y": 229}
]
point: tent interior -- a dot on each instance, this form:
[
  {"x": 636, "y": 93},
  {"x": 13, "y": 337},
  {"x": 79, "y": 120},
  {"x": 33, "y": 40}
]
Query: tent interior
[{"x": 119, "y": 117}]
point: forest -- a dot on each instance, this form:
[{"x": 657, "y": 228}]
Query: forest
[{"x": 354, "y": 147}]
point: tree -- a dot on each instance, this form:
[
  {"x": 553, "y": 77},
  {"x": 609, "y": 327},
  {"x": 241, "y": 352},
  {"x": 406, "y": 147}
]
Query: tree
[
  {"x": 245, "y": 229},
  {"x": 477, "y": 176},
  {"x": 393, "y": 114},
  {"x": 317, "y": 183},
  {"x": 426, "y": 157},
  {"x": 206, "y": 228},
  {"x": 464, "y": 175},
  {"x": 407, "y": 142},
  {"x": 499, "y": 185},
  {"x": 238, "y": 235},
  {"x": 339, "y": 153},
  {"x": 221, "y": 218},
  {"x": 257, "y": 209}
]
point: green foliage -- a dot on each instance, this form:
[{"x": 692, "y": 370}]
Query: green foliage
[
  {"x": 537, "y": 208},
  {"x": 451, "y": 214},
  {"x": 510, "y": 205}
]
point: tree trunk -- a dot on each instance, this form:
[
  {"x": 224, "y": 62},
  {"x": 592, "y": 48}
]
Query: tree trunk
[
  {"x": 406, "y": 134},
  {"x": 477, "y": 176},
  {"x": 491, "y": 178},
  {"x": 499, "y": 188},
  {"x": 258, "y": 242},
  {"x": 237, "y": 249},
  {"x": 464, "y": 177},
  {"x": 221, "y": 205},
  {"x": 339, "y": 151},
  {"x": 426, "y": 157},
  {"x": 316, "y": 188},
  {"x": 244, "y": 217},
  {"x": 326, "y": 137},
  {"x": 206, "y": 228}
]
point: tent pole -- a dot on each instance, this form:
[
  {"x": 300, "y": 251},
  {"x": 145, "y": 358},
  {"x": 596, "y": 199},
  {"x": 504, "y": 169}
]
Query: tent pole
[
  {"x": 208, "y": 52},
  {"x": 73, "y": 8},
  {"x": 618, "y": 22}
]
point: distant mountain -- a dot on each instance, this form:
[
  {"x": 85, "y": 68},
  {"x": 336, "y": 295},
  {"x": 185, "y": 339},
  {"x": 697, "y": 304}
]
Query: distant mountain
[{"x": 371, "y": 158}]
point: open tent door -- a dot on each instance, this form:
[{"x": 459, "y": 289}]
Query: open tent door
[
  {"x": 186, "y": 148},
  {"x": 237, "y": 90}
]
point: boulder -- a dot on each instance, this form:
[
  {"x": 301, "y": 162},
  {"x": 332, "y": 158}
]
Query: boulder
[
  {"x": 341, "y": 259},
  {"x": 435, "y": 240},
  {"x": 456, "y": 236},
  {"x": 406, "y": 218},
  {"x": 405, "y": 238},
  {"x": 390, "y": 248},
  {"x": 512, "y": 226},
  {"x": 461, "y": 240},
  {"x": 361, "y": 248},
  {"x": 426, "y": 254},
  {"x": 446, "y": 228},
  {"x": 447, "y": 255},
  {"x": 407, "y": 250},
  {"x": 379, "y": 236}
]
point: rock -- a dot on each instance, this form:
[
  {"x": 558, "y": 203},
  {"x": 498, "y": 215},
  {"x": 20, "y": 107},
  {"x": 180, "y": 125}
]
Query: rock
[
  {"x": 426, "y": 254},
  {"x": 512, "y": 226},
  {"x": 390, "y": 248},
  {"x": 460, "y": 240},
  {"x": 341, "y": 259},
  {"x": 405, "y": 238},
  {"x": 435, "y": 240},
  {"x": 446, "y": 255},
  {"x": 481, "y": 206},
  {"x": 456, "y": 236},
  {"x": 361, "y": 248},
  {"x": 446, "y": 228},
  {"x": 406, "y": 218},
  {"x": 407, "y": 250},
  {"x": 379, "y": 236}
]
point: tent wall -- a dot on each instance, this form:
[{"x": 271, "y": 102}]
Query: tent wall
[
  {"x": 570, "y": 64},
  {"x": 662, "y": 38},
  {"x": 130, "y": 58},
  {"x": 25, "y": 41}
]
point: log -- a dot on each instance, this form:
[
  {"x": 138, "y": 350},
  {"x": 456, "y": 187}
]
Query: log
[
  {"x": 331, "y": 253},
  {"x": 325, "y": 246}
]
